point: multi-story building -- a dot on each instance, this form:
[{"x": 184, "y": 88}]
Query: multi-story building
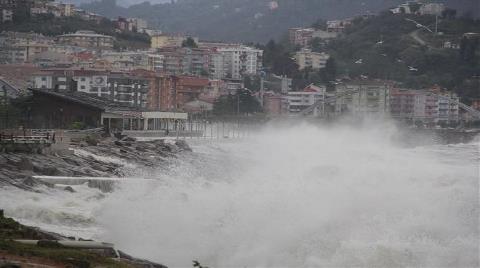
[
  {"x": 119, "y": 87},
  {"x": 425, "y": 107},
  {"x": 301, "y": 100},
  {"x": 87, "y": 39},
  {"x": 435, "y": 9},
  {"x": 417, "y": 7},
  {"x": 160, "y": 92},
  {"x": 127, "y": 89},
  {"x": 188, "y": 88},
  {"x": 166, "y": 40},
  {"x": 6, "y": 15},
  {"x": 338, "y": 26},
  {"x": 131, "y": 24},
  {"x": 275, "y": 104},
  {"x": 22, "y": 47},
  {"x": 185, "y": 61},
  {"x": 300, "y": 36},
  {"x": 402, "y": 103},
  {"x": 364, "y": 98},
  {"x": 235, "y": 62},
  {"x": 305, "y": 58}
]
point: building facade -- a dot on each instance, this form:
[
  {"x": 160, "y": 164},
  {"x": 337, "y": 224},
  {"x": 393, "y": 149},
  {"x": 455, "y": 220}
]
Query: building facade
[
  {"x": 87, "y": 39},
  {"x": 308, "y": 59},
  {"x": 300, "y": 36},
  {"x": 301, "y": 100},
  {"x": 363, "y": 98}
]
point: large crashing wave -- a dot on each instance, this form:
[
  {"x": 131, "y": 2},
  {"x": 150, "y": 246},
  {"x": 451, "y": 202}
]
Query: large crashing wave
[{"x": 300, "y": 197}]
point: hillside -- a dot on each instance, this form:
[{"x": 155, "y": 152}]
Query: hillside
[
  {"x": 249, "y": 20},
  {"x": 384, "y": 47},
  {"x": 399, "y": 56},
  {"x": 51, "y": 26}
]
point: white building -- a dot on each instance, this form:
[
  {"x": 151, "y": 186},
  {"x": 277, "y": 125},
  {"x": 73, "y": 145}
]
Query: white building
[
  {"x": 130, "y": 60},
  {"x": 235, "y": 62},
  {"x": 435, "y": 9},
  {"x": 301, "y": 100},
  {"x": 363, "y": 98},
  {"x": 139, "y": 25},
  {"x": 6, "y": 15},
  {"x": 324, "y": 35},
  {"x": 423, "y": 106},
  {"x": 305, "y": 58}
]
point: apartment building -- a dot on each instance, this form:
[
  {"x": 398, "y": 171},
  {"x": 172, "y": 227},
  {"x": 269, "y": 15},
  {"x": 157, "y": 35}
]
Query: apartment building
[
  {"x": 119, "y": 87},
  {"x": 275, "y": 104},
  {"x": 131, "y": 24},
  {"x": 185, "y": 61},
  {"x": 235, "y": 62},
  {"x": 301, "y": 100},
  {"x": 364, "y": 98},
  {"x": 167, "y": 40},
  {"x": 87, "y": 39},
  {"x": 300, "y": 36},
  {"x": 422, "y": 106},
  {"x": 6, "y": 15},
  {"x": 305, "y": 58},
  {"x": 338, "y": 26}
]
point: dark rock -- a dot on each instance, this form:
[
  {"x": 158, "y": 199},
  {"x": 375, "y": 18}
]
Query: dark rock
[
  {"x": 25, "y": 164},
  {"x": 91, "y": 141},
  {"x": 46, "y": 170},
  {"x": 30, "y": 182},
  {"x": 123, "y": 151},
  {"x": 10, "y": 265},
  {"x": 140, "y": 149},
  {"x": 118, "y": 143},
  {"x": 69, "y": 189},
  {"x": 130, "y": 139},
  {"x": 49, "y": 244},
  {"x": 183, "y": 145}
]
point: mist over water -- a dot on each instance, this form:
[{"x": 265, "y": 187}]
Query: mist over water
[{"x": 298, "y": 196}]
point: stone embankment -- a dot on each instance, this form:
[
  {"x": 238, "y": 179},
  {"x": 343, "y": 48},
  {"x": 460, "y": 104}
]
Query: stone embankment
[{"x": 107, "y": 157}]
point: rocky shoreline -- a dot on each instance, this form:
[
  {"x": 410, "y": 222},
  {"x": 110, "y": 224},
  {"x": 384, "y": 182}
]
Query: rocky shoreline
[
  {"x": 105, "y": 157},
  {"x": 102, "y": 157}
]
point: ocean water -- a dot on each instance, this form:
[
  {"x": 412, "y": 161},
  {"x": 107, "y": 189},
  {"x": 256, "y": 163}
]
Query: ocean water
[{"x": 299, "y": 196}]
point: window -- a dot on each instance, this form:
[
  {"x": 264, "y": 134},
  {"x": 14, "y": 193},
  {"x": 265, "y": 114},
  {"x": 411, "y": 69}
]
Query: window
[
  {"x": 82, "y": 79},
  {"x": 82, "y": 87},
  {"x": 44, "y": 78}
]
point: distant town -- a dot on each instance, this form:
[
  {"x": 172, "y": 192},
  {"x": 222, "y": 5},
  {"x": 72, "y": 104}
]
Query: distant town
[{"x": 84, "y": 78}]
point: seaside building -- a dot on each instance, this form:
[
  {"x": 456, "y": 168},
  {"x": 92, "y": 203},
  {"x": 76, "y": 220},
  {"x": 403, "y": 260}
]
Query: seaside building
[
  {"x": 363, "y": 98},
  {"x": 119, "y": 87},
  {"x": 61, "y": 109},
  {"x": 301, "y": 100}
]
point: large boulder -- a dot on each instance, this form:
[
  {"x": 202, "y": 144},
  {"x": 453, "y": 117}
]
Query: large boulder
[{"x": 183, "y": 145}]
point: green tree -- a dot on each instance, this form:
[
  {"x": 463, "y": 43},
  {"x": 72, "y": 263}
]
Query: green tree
[{"x": 189, "y": 42}]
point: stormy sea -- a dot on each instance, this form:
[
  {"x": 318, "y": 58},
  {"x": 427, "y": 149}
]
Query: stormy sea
[{"x": 302, "y": 196}]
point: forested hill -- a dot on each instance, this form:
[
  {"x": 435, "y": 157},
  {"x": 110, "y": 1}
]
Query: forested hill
[
  {"x": 238, "y": 20},
  {"x": 250, "y": 20}
]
